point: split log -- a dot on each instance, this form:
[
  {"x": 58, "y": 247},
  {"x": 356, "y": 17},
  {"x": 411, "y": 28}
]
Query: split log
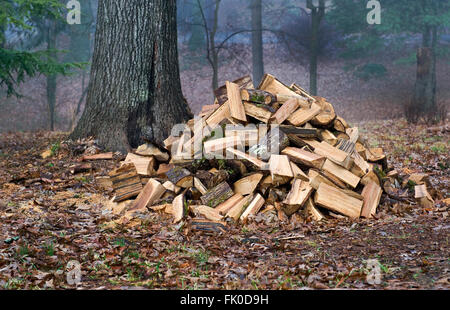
[
  {"x": 227, "y": 205},
  {"x": 299, "y": 132},
  {"x": 328, "y": 136},
  {"x": 297, "y": 197},
  {"x": 372, "y": 195},
  {"x": 253, "y": 208},
  {"x": 304, "y": 157},
  {"x": 144, "y": 165},
  {"x": 199, "y": 185},
  {"x": 221, "y": 92},
  {"x": 302, "y": 115},
  {"x": 149, "y": 149},
  {"x": 219, "y": 115},
  {"x": 260, "y": 112},
  {"x": 208, "y": 225},
  {"x": 180, "y": 177},
  {"x": 219, "y": 145},
  {"x": 271, "y": 84},
  {"x": 273, "y": 143},
  {"x": 336, "y": 200},
  {"x": 298, "y": 173},
  {"x": 279, "y": 165},
  {"x": 248, "y": 184},
  {"x": 299, "y": 90},
  {"x": 102, "y": 156},
  {"x": 312, "y": 211},
  {"x": 178, "y": 208},
  {"x": 237, "y": 110},
  {"x": 260, "y": 165},
  {"x": 285, "y": 111},
  {"x": 236, "y": 211},
  {"x": 171, "y": 187},
  {"x": 208, "y": 212},
  {"x": 217, "y": 195},
  {"x": 422, "y": 196},
  {"x": 334, "y": 154},
  {"x": 340, "y": 124},
  {"x": 326, "y": 115},
  {"x": 342, "y": 174},
  {"x": 152, "y": 191},
  {"x": 126, "y": 182}
]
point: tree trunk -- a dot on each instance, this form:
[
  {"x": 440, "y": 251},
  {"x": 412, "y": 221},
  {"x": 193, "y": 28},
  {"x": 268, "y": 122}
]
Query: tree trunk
[
  {"x": 257, "y": 43},
  {"x": 134, "y": 88},
  {"x": 51, "y": 78},
  {"x": 317, "y": 14}
]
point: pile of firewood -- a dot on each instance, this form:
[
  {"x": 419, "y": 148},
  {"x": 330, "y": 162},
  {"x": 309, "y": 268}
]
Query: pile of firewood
[{"x": 298, "y": 157}]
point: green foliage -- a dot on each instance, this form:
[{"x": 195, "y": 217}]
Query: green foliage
[{"x": 15, "y": 64}]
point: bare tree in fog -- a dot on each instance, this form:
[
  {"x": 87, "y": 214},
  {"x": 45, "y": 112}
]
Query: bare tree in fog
[{"x": 257, "y": 41}]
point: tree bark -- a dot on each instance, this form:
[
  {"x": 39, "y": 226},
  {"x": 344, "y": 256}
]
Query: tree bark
[
  {"x": 134, "y": 88},
  {"x": 317, "y": 14},
  {"x": 257, "y": 42},
  {"x": 51, "y": 78}
]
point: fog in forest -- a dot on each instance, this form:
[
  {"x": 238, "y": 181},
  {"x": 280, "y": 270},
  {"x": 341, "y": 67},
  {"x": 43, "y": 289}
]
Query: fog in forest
[{"x": 367, "y": 72}]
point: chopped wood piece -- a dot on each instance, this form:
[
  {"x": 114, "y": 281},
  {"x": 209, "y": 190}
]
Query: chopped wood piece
[
  {"x": 340, "y": 124},
  {"x": 282, "y": 217},
  {"x": 257, "y": 96},
  {"x": 422, "y": 195},
  {"x": 298, "y": 131},
  {"x": 302, "y": 115},
  {"x": 178, "y": 208},
  {"x": 222, "y": 113},
  {"x": 253, "y": 160},
  {"x": 285, "y": 111},
  {"x": 235, "y": 102},
  {"x": 149, "y": 149},
  {"x": 217, "y": 195},
  {"x": 419, "y": 178},
  {"x": 199, "y": 185},
  {"x": 252, "y": 208},
  {"x": 163, "y": 169},
  {"x": 297, "y": 197},
  {"x": 208, "y": 212},
  {"x": 301, "y": 101},
  {"x": 312, "y": 211},
  {"x": 271, "y": 84},
  {"x": 353, "y": 134},
  {"x": 302, "y": 92},
  {"x": 74, "y": 169},
  {"x": 328, "y": 136},
  {"x": 370, "y": 176},
  {"x": 258, "y": 111},
  {"x": 236, "y": 211},
  {"x": 326, "y": 115},
  {"x": 298, "y": 173},
  {"x": 152, "y": 191},
  {"x": 102, "y": 156},
  {"x": 375, "y": 154},
  {"x": 272, "y": 143},
  {"x": 217, "y": 145},
  {"x": 248, "y": 184},
  {"x": 360, "y": 166},
  {"x": 342, "y": 174},
  {"x": 304, "y": 157},
  {"x": 221, "y": 92},
  {"x": 336, "y": 200},
  {"x": 345, "y": 145},
  {"x": 208, "y": 225},
  {"x": 144, "y": 165},
  {"x": 180, "y": 177},
  {"x": 372, "y": 194},
  {"x": 171, "y": 187},
  {"x": 334, "y": 154},
  {"x": 170, "y": 141},
  {"x": 126, "y": 182},
  {"x": 279, "y": 165},
  {"x": 226, "y": 206}
]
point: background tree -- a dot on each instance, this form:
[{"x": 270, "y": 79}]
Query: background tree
[
  {"x": 317, "y": 15},
  {"x": 257, "y": 41},
  {"x": 136, "y": 93}
]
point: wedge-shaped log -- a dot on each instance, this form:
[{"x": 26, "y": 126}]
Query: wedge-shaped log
[
  {"x": 326, "y": 115},
  {"x": 316, "y": 178},
  {"x": 298, "y": 131},
  {"x": 253, "y": 160},
  {"x": 279, "y": 165},
  {"x": 149, "y": 149},
  {"x": 272, "y": 85},
  {"x": 422, "y": 196},
  {"x": 218, "y": 145},
  {"x": 334, "y": 154},
  {"x": 208, "y": 212},
  {"x": 297, "y": 197},
  {"x": 298, "y": 173},
  {"x": 221, "y": 92},
  {"x": 299, "y": 90},
  {"x": 236, "y": 211},
  {"x": 126, "y": 182},
  {"x": 304, "y": 157},
  {"x": 253, "y": 208},
  {"x": 248, "y": 184},
  {"x": 328, "y": 136},
  {"x": 217, "y": 195},
  {"x": 285, "y": 111},
  {"x": 226, "y": 206},
  {"x": 372, "y": 194},
  {"x": 171, "y": 187},
  {"x": 336, "y": 200},
  {"x": 152, "y": 191},
  {"x": 312, "y": 211},
  {"x": 340, "y": 124},
  {"x": 235, "y": 101},
  {"x": 342, "y": 174},
  {"x": 199, "y": 185},
  {"x": 302, "y": 115},
  {"x": 144, "y": 165},
  {"x": 260, "y": 112},
  {"x": 178, "y": 208},
  {"x": 219, "y": 115},
  {"x": 180, "y": 177}
]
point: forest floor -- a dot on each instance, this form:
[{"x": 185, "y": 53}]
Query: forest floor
[{"x": 49, "y": 217}]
